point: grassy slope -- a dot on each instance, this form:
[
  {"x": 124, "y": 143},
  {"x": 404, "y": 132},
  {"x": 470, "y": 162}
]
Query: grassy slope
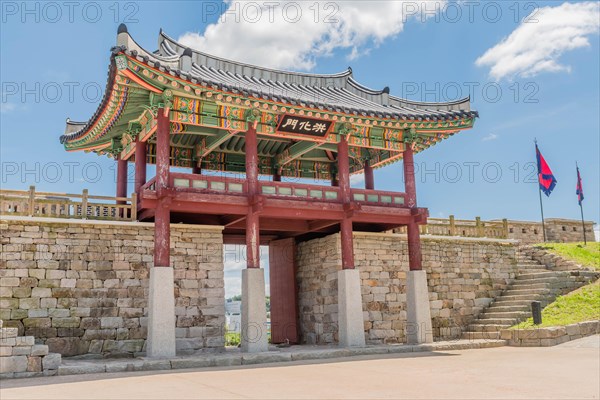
[
  {"x": 580, "y": 305},
  {"x": 588, "y": 255}
]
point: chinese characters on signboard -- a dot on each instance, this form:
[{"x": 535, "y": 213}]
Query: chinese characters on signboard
[{"x": 304, "y": 126}]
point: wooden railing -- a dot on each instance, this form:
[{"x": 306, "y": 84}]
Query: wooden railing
[
  {"x": 67, "y": 205},
  {"x": 284, "y": 190},
  {"x": 464, "y": 228}
]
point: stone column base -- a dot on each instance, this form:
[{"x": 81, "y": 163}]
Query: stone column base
[
  {"x": 161, "y": 313},
  {"x": 254, "y": 311},
  {"x": 350, "y": 313},
  {"x": 418, "y": 322}
]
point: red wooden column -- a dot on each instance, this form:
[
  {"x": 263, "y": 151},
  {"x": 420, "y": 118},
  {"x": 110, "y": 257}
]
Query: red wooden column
[
  {"x": 346, "y": 196},
  {"x": 121, "y": 179},
  {"x": 369, "y": 178},
  {"x": 252, "y": 220},
  {"x": 140, "y": 165},
  {"x": 276, "y": 177},
  {"x": 414, "y": 239},
  {"x": 161, "y": 342},
  {"x": 162, "y": 219}
]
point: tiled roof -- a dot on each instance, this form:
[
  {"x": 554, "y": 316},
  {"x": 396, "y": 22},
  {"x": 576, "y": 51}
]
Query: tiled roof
[{"x": 335, "y": 92}]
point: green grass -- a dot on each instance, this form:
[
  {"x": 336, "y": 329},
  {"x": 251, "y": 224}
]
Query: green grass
[
  {"x": 580, "y": 305},
  {"x": 588, "y": 255},
  {"x": 232, "y": 339}
]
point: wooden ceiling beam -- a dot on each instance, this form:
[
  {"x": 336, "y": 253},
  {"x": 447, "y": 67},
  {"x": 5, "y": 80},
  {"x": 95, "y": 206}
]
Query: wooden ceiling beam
[{"x": 209, "y": 144}]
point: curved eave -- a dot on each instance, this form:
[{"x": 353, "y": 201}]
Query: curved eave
[
  {"x": 76, "y": 130},
  {"x": 175, "y": 61}
]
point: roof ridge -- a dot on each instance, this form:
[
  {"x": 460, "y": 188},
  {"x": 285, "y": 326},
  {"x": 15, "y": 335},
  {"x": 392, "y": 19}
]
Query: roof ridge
[{"x": 171, "y": 41}]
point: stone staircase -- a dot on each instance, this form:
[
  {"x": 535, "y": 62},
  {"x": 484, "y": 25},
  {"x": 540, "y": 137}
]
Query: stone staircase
[{"x": 533, "y": 282}]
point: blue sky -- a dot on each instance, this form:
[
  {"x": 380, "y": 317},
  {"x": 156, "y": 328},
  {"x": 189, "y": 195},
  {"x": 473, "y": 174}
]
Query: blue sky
[{"x": 547, "y": 71}]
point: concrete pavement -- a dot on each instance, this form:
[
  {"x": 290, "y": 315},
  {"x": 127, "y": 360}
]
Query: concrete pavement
[{"x": 571, "y": 370}]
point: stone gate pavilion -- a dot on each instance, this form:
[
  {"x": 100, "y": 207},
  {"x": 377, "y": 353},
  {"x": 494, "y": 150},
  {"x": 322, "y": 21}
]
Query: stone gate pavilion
[{"x": 263, "y": 130}]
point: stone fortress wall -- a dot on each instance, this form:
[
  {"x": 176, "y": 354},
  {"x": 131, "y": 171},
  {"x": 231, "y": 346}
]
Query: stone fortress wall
[
  {"x": 464, "y": 275},
  {"x": 528, "y": 232},
  {"x": 82, "y": 286}
]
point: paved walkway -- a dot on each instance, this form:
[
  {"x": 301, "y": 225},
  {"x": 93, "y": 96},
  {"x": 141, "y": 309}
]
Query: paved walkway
[{"x": 571, "y": 370}]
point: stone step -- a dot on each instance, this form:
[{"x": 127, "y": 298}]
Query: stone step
[
  {"x": 498, "y": 321},
  {"x": 527, "y": 285},
  {"x": 522, "y": 297},
  {"x": 503, "y": 314},
  {"x": 481, "y": 335},
  {"x": 515, "y": 292},
  {"x": 542, "y": 274},
  {"x": 487, "y": 327},
  {"x": 543, "y": 279},
  {"x": 526, "y": 262},
  {"x": 524, "y": 306},
  {"x": 527, "y": 268}
]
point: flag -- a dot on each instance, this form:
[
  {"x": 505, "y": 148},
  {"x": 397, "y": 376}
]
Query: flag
[
  {"x": 579, "y": 188},
  {"x": 545, "y": 176}
]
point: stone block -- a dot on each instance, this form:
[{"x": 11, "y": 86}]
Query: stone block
[
  {"x": 123, "y": 346},
  {"x": 21, "y": 350},
  {"x": 69, "y": 322},
  {"x": 39, "y": 350},
  {"x": 6, "y": 333},
  {"x": 37, "y": 313},
  {"x": 8, "y": 342},
  {"x": 13, "y": 364},
  {"x": 548, "y": 342},
  {"x": 41, "y": 292},
  {"x": 96, "y": 346},
  {"x": 573, "y": 329},
  {"x": 156, "y": 365},
  {"x": 25, "y": 341},
  {"x": 58, "y": 313},
  {"x": 68, "y": 346},
  {"x": 552, "y": 332},
  {"x": 34, "y": 364},
  {"x": 182, "y": 363},
  {"x": 81, "y": 368},
  {"x": 265, "y": 357},
  {"x": 28, "y": 303},
  {"x": 111, "y": 322}
]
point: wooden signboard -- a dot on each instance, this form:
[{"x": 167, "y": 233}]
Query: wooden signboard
[{"x": 304, "y": 126}]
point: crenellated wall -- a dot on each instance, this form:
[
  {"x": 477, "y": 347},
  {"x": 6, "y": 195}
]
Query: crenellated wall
[
  {"x": 82, "y": 286},
  {"x": 464, "y": 275}
]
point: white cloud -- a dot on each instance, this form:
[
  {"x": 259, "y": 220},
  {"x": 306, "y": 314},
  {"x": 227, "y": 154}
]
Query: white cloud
[
  {"x": 539, "y": 41},
  {"x": 5, "y": 108},
  {"x": 234, "y": 261},
  {"x": 292, "y": 34},
  {"x": 491, "y": 136},
  {"x": 357, "y": 180}
]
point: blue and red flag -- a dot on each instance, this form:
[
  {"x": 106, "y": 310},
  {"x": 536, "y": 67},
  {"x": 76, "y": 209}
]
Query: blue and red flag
[
  {"x": 545, "y": 176},
  {"x": 579, "y": 188}
]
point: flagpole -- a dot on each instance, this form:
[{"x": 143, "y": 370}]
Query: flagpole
[
  {"x": 542, "y": 209},
  {"x": 583, "y": 224},
  {"x": 581, "y": 207}
]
